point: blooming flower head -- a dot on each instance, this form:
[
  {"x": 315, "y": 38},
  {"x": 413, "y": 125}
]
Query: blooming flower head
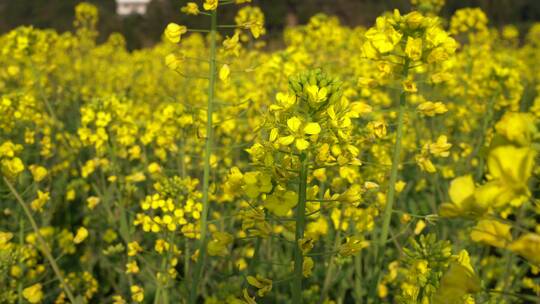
[
  {"x": 174, "y": 32},
  {"x": 210, "y": 5},
  {"x": 33, "y": 294},
  {"x": 191, "y": 8}
]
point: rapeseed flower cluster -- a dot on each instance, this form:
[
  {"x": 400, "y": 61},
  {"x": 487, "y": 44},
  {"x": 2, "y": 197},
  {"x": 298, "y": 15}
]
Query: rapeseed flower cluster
[{"x": 389, "y": 164}]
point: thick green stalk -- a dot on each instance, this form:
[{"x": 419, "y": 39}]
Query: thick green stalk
[
  {"x": 44, "y": 247},
  {"x": 387, "y": 215},
  {"x": 300, "y": 224},
  {"x": 255, "y": 261},
  {"x": 208, "y": 151},
  {"x": 358, "y": 278},
  {"x": 329, "y": 278},
  {"x": 510, "y": 260}
]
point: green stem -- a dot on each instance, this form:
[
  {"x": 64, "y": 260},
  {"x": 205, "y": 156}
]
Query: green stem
[
  {"x": 329, "y": 277},
  {"x": 387, "y": 215},
  {"x": 208, "y": 151},
  {"x": 44, "y": 247},
  {"x": 485, "y": 127},
  {"x": 161, "y": 291},
  {"x": 300, "y": 223},
  {"x": 21, "y": 243},
  {"x": 187, "y": 257},
  {"x": 229, "y": 26},
  {"x": 509, "y": 258},
  {"x": 255, "y": 261},
  {"x": 526, "y": 297},
  {"x": 124, "y": 231},
  {"x": 198, "y": 31},
  {"x": 156, "y": 296},
  {"x": 358, "y": 278},
  {"x": 124, "y": 217}
]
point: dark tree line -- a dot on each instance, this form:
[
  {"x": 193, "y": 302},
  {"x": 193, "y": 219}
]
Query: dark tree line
[{"x": 145, "y": 30}]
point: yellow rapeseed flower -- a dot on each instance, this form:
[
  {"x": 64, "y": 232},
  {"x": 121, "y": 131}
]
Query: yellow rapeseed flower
[
  {"x": 33, "y": 294},
  {"x": 492, "y": 232},
  {"x": 210, "y": 5},
  {"x": 191, "y": 8},
  {"x": 174, "y": 32},
  {"x": 81, "y": 235},
  {"x": 137, "y": 293}
]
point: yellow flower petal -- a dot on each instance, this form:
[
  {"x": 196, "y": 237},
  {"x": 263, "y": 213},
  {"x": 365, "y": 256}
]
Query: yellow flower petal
[
  {"x": 224, "y": 73},
  {"x": 528, "y": 246},
  {"x": 294, "y": 123},
  {"x": 312, "y": 128},
  {"x": 33, "y": 294},
  {"x": 492, "y": 232},
  {"x": 81, "y": 235},
  {"x": 302, "y": 144},
  {"x": 286, "y": 140}
]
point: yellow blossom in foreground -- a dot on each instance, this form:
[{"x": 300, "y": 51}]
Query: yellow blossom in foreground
[
  {"x": 154, "y": 168},
  {"x": 173, "y": 62},
  {"x": 281, "y": 202},
  {"x": 382, "y": 290},
  {"x": 137, "y": 293},
  {"x": 440, "y": 147},
  {"x": 33, "y": 294},
  {"x": 464, "y": 259},
  {"x": 456, "y": 284},
  {"x": 425, "y": 163},
  {"x": 92, "y": 202},
  {"x": 377, "y": 128},
  {"x": 517, "y": 127},
  {"x": 307, "y": 267},
  {"x": 224, "y": 73},
  {"x": 462, "y": 191},
  {"x": 12, "y": 167},
  {"x": 161, "y": 245},
  {"x": 431, "y": 109},
  {"x": 373, "y": 186},
  {"x": 134, "y": 248},
  {"x": 38, "y": 172},
  {"x": 528, "y": 246},
  {"x": 132, "y": 267},
  {"x": 81, "y": 235},
  {"x": 191, "y": 8},
  {"x": 316, "y": 94},
  {"x": 298, "y": 128},
  {"x": 252, "y": 18},
  {"x": 117, "y": 299},
  {"x": 247, "y": 298},
  {"x": 174, "y": 31},
  {"x": 40, "y": 201},
  {"x": 492, "y": 232},
  {"x": 5, "y": 237},
  {"x": 420, "y": 225},
  {"x": 352, "y": 246},
  {"x": 210, "y": 5},
  {"x": 413, "y": 48},
  {"x": 409, "y": 86},
  {"x": 218, "y": 245},
  {"x": 400, "y": 185},
  {"x": 257, "y": 183},
  {"x": 382, "y": 38},
  {"x": 263, "y": 285},
  {"x": 305, "y": 244},
  {"x": 509, "y": 169}
]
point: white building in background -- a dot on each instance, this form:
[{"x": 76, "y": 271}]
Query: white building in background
[{"x": 131, "y": 7}]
